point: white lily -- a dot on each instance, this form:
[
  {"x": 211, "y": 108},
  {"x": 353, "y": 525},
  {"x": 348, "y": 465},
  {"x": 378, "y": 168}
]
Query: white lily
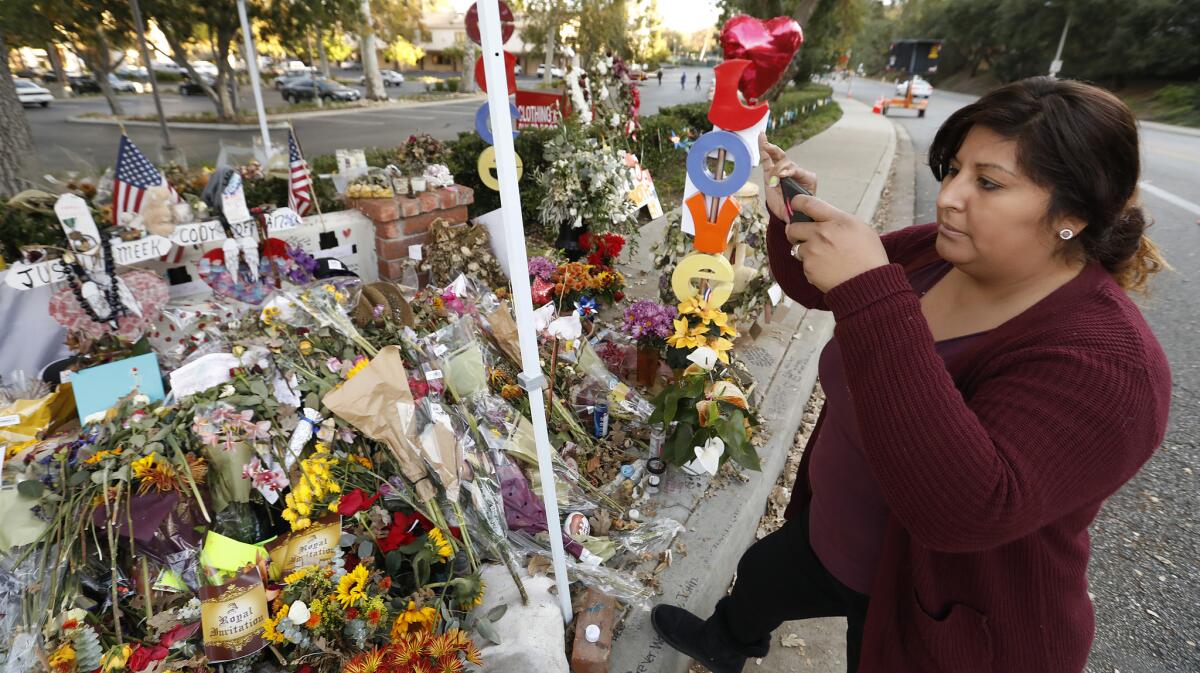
[
  {"x": 543, "y": 317},
  {"x": 708, "y": 457},
  {"x": 704, "y": 356}
]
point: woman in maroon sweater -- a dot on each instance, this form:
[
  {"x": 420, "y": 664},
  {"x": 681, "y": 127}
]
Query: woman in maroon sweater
[{"x": 989, "y": 384}]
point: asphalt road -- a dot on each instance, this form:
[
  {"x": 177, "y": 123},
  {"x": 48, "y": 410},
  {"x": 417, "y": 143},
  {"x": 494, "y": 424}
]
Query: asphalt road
[
  {"x": 1145, "y": 569},
  {"x": 62, "y": 146}
]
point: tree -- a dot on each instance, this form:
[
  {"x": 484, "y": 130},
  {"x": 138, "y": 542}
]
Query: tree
[
  {"x": 184, "y": 23},
  {"x": 648, "y": 39},
  {"x": 604, "y": 29},
  {"x": 402, "y": 52},
  {"x": 97, "y": 31},
  {"x": 305, "y": 22},
  {"x": 543, "y": 19},
  {"x": 16, "y": 140}
]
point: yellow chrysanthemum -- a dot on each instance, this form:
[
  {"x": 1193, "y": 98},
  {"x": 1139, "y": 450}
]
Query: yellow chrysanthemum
[
  {"x": 102, "y": 454},
  {"x": 298, "y": 575},
  {"x": 352, "y": 587},
  {"x": 63, "y": 659},
  {"x": 115, "y": 659},
  {"x": 358, "y": 367},
  {"x": 143, "y": 466},
  {"x": 270, "y": 626},
  {"x": 439, "y": 544}
]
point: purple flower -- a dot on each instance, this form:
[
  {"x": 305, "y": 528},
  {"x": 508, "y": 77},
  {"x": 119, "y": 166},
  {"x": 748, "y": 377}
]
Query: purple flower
[
  {"x": 648, "y": 321},
  {"x": 541, "y": 267}
]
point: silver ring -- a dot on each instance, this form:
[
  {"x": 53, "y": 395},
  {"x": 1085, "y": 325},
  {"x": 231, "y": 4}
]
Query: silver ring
[{"x": 796, "y": 252}]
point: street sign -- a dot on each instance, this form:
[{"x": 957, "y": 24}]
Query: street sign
[{"x": 536, "y": 109}]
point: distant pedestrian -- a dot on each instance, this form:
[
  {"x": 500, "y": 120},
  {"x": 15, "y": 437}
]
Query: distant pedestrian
[
  {"x": 660, "y": 76},
  {"x": 697, "y": 81},
  {"x": 683, "y": 81},
  {"x": 943, "y": 503}
]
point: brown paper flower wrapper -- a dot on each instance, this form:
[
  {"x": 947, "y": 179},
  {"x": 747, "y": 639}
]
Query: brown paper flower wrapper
[{"x": 378, "y": 403}]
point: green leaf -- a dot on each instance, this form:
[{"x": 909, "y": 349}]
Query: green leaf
[
  {"x": 259, "y": 388},
  {"x": 251, "y": 400},
  {"x": 733, "y": 433},
  {"x": 31, "y": 488},
  {"x": 421, "y": 567},
  {"x": 77, "y": 478},
  {"x": 155, "y": 447},
  {"x": 497, "y": 613},
  {"x": 680, "y": 444},
  {"x": 488, "y": 631},
  {"x": 137, "y": 441},
  {"x": 393, "y": 561}
]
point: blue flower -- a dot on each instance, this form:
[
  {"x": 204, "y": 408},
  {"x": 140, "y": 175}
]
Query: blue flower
[{"x": 587, "y": 307}]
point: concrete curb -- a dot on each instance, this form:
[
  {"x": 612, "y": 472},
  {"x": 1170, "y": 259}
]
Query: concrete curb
[
  {"x": 187, "y": 126},
  {"x": 725, "y": 521},
  {"x": 1170, "y": 128},
  {"x": 275, "y": 121}
]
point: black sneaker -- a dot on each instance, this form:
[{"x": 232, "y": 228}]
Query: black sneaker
[{"x": 685, "y": 632}]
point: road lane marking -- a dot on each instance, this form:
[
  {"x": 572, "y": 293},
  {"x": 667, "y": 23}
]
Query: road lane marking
[
  {"x": 1155, "y": 149},
  {"x": 1169, "y": 197}
]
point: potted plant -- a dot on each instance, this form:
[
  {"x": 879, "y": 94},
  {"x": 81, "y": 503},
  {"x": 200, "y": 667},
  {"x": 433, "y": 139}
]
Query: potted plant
[
  {"x": 649, "y": 323},
  {"x": 415, "y": 154}
]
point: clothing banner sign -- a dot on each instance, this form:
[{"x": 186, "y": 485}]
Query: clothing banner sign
[{"x": 540, "y": 110}]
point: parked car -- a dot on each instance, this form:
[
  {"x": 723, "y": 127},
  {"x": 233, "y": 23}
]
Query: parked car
[
  {"x": 390, "y": 78},
  {"x": 132, "y": 71},
  {"x": 30, "y": 93},
  {"x": 921, "y": 88},
  {"x": 554, "y": 72},
  {"x": 206, "y": 68},
  {"x": 168, "y": 66},
  {"x": 285, "y": 79},
  {"x": 350, "y": 65},
  {"x": 309, "y": 88},
  {"x": 123, "y": 85},
  {"x": 190, "y": 87},
  {"x": 297, "y": 67},
  {"x": 83, "y": 84}
]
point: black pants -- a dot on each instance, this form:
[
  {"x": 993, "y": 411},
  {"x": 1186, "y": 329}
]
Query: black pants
[{"x": 781, "y": 579}]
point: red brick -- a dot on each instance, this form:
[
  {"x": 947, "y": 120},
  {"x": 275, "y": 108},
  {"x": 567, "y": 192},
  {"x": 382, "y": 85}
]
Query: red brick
[
  {"x": 397, "y": 248},
  {"x": 600, "y": 609},
  {"x": 393, "y": 229},
  {"x": 447, "y": 198},
  {"x": 429, "y": 201},
  {"x": 391, "y": 269},
  {"x": 379, "y": 210},
  {"x": 423, "y": 221},
  {"x": 466, "y": 195},
  {"x": 409, "y": 207}
]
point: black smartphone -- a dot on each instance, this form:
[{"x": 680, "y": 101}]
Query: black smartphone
[{"x": 791, "y": 189}]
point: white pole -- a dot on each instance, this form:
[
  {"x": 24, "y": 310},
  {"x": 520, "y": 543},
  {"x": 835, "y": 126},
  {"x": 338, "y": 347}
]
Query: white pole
[
  {"x": 514, "y": 238},
  {"x": 252, "y": 68}
]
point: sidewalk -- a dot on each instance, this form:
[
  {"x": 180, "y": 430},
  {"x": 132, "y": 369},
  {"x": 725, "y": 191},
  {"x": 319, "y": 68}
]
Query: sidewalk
[{"x": 852, "y": 160}]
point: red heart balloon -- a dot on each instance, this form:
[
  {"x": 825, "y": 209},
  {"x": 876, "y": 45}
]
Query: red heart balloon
[{"x": 768, "y": 45}]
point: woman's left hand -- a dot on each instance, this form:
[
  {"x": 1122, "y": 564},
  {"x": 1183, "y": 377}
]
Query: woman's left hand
[{"x": 836, "y": 246}]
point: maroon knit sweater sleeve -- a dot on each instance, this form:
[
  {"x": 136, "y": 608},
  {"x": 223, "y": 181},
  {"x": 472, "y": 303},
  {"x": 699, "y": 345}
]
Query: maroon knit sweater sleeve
[
  {"x": 789, "y": 271},
  {"x": 1051, "y": 427}
]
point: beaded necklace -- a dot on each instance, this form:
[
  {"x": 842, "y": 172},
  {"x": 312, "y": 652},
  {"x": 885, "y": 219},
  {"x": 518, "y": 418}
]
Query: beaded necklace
[{"x": 75, "y": 273}]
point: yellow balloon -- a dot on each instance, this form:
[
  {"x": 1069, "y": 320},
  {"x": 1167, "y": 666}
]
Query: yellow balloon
[
  {"x": 487, "y": 164},
  {"x": 700, "y": 266}
]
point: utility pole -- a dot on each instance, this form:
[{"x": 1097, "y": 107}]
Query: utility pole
[
  {"x": 168, "y": 149},
  {"x": 255, "y": 86},
  {"x": 1056, "y": 64}
]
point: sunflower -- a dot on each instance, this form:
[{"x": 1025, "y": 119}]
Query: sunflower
[
  {"x": 351, "y": 586},
  {"x": 161, "y": 478},
  {"x": 414, "y": 620},
  {"x": 370, "y": 661},
  {"x": 142, "y": 466},
  {"x": 298, "y": 575},
  {"x": 358, "y": 367},
  {"x": 437, "y": 542}
]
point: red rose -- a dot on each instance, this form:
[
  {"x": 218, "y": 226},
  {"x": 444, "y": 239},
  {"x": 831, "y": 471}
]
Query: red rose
[
  {"x": 596, "y": 259},
  {"x": 618, "y": 295},
  {"x": 143, "y": 656},
  {"x": 404, "y": 531},
  {"x": 356, "y": 501},
  {"x": 585, "y": 241}
]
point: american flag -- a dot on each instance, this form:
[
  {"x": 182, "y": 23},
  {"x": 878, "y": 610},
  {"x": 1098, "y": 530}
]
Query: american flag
[
  {"x": 300, "y": 196},
  {"x": 134, "y": 175}
]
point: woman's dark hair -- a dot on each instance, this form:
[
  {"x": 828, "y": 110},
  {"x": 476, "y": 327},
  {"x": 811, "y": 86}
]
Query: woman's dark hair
[{"x": 1080, "y": 143}]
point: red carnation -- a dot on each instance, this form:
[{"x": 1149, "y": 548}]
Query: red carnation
[{"x": 356, "y": 501}]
